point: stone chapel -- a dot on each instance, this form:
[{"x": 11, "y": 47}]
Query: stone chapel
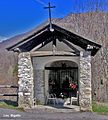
[{"x": 54, "y": 61}]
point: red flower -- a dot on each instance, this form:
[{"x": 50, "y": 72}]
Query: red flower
[{"x": 72, "y": 86}]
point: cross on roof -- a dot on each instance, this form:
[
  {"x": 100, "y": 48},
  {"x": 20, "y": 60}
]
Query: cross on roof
[{"x": 49, "y": 7}]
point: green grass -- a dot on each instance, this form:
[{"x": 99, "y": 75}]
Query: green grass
[
  {"x": 9, "y": 106},
  {"x": 100, "y": 107}
]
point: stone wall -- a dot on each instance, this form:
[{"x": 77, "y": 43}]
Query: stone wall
[
  {"x": 25, "y": 74},
  {"x": 85, "y": 97}
]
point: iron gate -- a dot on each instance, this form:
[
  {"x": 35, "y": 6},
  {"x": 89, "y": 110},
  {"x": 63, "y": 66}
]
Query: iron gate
[{"x": 57, "y": 75}]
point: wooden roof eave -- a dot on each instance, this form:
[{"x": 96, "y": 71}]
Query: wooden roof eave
[
  {"x": 76, "y": 36},
  {"x": 28, "y": 38},
  {"x": 79, "y": 40}
]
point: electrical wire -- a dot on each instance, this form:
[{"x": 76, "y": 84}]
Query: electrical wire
[{"x": 41, "y": 2}]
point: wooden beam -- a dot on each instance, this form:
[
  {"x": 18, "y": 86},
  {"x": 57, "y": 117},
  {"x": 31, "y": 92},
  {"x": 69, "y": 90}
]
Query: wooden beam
[
  {"x": 61, "y": 68},
  {"x": 77, "y": 39},
  {"x": 16, "y": 46},
  {"x": 77, "y": 52},
  {"x": 8, "y": 86},
  {"x": 51, "y": 53},
  {"x": 37, "y": 47},
  {"x": 42, "y": 44},
  {"x": 7, "y": 94}
]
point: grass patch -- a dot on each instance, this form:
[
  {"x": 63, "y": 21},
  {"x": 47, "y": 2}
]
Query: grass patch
[
  {"x": 100, "y": 107},
  {"x": 9, "y": 106}
]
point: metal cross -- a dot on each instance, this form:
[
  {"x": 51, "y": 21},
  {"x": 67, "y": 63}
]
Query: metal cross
[{"x": 49, "y": 7}]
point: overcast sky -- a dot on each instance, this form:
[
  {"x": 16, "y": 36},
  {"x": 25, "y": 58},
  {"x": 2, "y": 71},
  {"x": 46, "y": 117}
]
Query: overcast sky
[{"x": 18, "y": 16}]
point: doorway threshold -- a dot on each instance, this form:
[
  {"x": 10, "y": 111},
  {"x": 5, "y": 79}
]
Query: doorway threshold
[{"x": 57, "y": 108}]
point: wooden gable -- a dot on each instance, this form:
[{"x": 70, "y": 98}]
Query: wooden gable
[{"x": 44, "y": 36}]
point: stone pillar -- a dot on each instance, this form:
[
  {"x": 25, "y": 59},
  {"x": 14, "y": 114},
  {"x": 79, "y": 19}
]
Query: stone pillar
[
  {"x": 85, "y": 97},
  {"x": 39, "y": 87},
  {"x": 25, "y": 74}
]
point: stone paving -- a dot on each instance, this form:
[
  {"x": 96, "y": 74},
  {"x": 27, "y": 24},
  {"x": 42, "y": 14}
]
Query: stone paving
[
  {"x": 57, "y": 108},
  {"x": 47, "y": 113}
]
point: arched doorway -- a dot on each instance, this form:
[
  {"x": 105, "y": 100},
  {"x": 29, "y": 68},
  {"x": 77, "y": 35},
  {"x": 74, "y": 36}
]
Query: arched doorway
[{"x": 62, "y": 78}]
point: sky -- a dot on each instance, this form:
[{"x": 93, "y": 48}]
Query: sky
[{"x": 20, "y": 16}]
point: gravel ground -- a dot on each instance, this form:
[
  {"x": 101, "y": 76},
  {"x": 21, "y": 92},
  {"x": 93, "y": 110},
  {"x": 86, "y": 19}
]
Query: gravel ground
[{"x": 48, "y": 114}]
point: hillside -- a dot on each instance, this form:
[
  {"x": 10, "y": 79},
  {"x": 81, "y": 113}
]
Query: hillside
[{"x": 91, "y": 25}]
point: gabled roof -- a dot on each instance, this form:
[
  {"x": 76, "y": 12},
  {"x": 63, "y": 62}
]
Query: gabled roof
[{"x": 44, "y": 35}]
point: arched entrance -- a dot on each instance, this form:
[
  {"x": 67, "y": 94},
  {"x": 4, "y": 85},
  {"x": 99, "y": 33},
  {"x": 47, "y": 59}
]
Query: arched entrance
[{"x": 62, "y": 78}]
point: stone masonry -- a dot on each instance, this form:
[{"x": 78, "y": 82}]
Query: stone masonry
[
  {"x": 25, "y": 74},
  {"x": 85, "y": 97}
]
